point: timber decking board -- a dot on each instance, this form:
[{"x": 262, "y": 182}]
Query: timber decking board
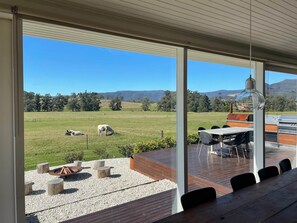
[
  {"x": 206, "y": 170},
  {"x": 146, "y": 209}
]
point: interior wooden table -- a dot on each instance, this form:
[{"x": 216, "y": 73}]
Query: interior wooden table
[{"x": 272, "y": 200}]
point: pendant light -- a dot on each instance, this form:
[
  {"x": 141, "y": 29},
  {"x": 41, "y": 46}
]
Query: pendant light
[{"x": 250, "y": 98}]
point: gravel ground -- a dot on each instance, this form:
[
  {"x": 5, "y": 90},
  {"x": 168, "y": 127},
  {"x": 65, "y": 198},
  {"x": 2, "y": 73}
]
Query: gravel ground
[{"x": 84, "y": 193}]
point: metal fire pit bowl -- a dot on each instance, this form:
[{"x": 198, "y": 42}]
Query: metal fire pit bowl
[{"x": 65, "y": 171}]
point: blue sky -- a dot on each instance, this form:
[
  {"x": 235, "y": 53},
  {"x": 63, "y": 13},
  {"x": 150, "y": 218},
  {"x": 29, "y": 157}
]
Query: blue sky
[{"x": 53, "y": 67}]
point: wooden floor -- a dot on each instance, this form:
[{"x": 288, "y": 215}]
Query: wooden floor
[
  {"x": 204, "y": 170},
  {"x": 147, "y": 209}
]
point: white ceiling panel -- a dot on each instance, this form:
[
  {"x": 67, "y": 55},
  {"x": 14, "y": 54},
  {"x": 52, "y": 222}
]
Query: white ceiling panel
[{"x": 274, "y": 22}]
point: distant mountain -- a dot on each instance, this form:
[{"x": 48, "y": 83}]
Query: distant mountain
[
  {"x": 137, "y": 96},
  {"x": 286, "y": 88},
  {"x": 226, "y": 94}
]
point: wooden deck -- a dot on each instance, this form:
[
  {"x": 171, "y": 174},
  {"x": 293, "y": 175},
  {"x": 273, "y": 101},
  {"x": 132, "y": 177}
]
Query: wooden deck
[{"x": 204, "y": 170}]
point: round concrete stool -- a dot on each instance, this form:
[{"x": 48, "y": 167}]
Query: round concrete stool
[
  {"x": 77, "y": 163},
  {"x": 103, "y": 172},
  {"x": 28, "y": 187},
  {"x": 55, "y": 186},
  {"x": 42, "y": 168},
  {"x": 98, "y": 163}
]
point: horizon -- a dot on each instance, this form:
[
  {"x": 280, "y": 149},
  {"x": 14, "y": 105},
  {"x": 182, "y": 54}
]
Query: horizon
[{"x": 56, "y": 67}]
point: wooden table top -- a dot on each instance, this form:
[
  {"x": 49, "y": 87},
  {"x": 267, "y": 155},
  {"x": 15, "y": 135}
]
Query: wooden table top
[{"x": 273, "y": 200}]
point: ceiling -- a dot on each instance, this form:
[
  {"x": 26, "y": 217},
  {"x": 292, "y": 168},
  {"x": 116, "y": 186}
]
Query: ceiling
[
  {"x": 274, "y": 22},
  {"x": 215, "y": 26}
]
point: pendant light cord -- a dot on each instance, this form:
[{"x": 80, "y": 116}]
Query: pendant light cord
[{"x": 250, "y": 38}]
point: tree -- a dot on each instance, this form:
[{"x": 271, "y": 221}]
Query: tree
[
  {"x": 47, "y": 103},
  {"x": 279, "y": 103},
  {"x": 29, "y": 104},
  {"x": 59, "y": 102},
  {"x": 73, "y": 103},
  {"x": 145, "y": 104},
  {"x": 37, "y": 102},
  {"x": 89, "y": 101},
  {"x": 204, "y": 104},
  {"x": 193, "y": 101},
  {"x": 116, "y": 104},
  {"x": 167, "y": 102},
  {"x": 291, "y": 104},
  {"x": 217, "y": 105}
]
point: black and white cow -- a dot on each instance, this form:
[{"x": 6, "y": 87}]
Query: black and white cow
[
  {"x": 73, "y": 133},
  {"x": 108, "y": 130}
]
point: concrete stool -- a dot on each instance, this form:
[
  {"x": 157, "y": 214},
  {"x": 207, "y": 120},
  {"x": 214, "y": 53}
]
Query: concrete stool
[
  {"x": 77, "y": 163},
  {"x": 103, "y": 172},
  {"x": 42, "y": 168},
  {"x": 98, "y": 163},
  {"x": 55, "y": 186},
  {"x": 28, "y": 187}
]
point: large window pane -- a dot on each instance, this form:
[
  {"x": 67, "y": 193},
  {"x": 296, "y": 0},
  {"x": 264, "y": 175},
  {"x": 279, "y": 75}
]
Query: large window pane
[
  {"x": 71, "y": 87},
  {"x": 280, "y": 117},
  {"x": 213, "y": 82}
]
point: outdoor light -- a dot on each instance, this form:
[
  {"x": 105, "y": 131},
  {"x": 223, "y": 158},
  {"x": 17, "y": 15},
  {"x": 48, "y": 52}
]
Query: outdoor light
[{"x": 250, "y": 98}]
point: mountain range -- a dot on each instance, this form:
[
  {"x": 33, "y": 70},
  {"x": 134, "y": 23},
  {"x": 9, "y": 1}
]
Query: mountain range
[{"x": 286, "y": 87}]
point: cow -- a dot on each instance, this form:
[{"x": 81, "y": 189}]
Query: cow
[
  {"x": 73, "y": 133},
  {"x": 108, "y": 130}
]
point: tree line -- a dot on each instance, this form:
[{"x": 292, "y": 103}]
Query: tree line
[
  {"x": 196, "y": 102},
  {"x": 86, "y": 101}
]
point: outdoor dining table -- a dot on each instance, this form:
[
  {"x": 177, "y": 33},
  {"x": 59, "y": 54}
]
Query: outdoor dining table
[
  {"x": 225, "y": 132},
  {"x": 272, "y": 200}
]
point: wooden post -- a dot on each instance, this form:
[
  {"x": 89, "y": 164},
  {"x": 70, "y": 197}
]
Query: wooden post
[
  {"x": 162, "y": 133},
  {"x": 87, "y": 139}
]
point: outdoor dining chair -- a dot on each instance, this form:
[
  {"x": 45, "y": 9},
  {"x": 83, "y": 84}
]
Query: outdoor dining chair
[
  {"x": 268, "y": 172},
  {"x": 199, "y": 140},
  {"x": 285, "y": 165},
  {"x": 215, "y": 136},
  {"x": 207, "y": 140},
  {"x": 241, "y": 138},
  {"x": 242, "y": 180},
  {"x": 196, "y": 197}
]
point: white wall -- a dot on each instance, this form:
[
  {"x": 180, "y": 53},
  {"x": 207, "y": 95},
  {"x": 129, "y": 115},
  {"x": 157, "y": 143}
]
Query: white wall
[
  {"x": 11, "y": 187},
  {"x": 7, "y": 201}
]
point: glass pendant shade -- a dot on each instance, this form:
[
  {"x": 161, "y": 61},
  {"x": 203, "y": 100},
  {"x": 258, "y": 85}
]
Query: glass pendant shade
[{"x": 250, "y": 98}]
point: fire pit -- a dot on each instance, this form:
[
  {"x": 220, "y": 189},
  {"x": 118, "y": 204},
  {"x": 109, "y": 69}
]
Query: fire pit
[{"x": 65, "y": 171}]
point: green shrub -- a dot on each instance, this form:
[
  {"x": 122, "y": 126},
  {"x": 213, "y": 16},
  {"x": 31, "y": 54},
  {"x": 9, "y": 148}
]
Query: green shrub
[
  {"x": 193, "y": 139},
  {"x": 102, "y": 153},
  {"x": 146, "y": 146},
  {"x": 167, "y": 142},
  {"x": 72, "y": 156},
  {"x": 126, "y": 151}
]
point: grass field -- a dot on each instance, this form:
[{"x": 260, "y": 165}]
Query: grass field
[{"x": 45, "y": 140}]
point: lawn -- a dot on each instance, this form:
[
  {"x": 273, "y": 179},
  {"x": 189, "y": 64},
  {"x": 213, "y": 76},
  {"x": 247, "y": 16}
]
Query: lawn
[{"x": 45, "y": 140}]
